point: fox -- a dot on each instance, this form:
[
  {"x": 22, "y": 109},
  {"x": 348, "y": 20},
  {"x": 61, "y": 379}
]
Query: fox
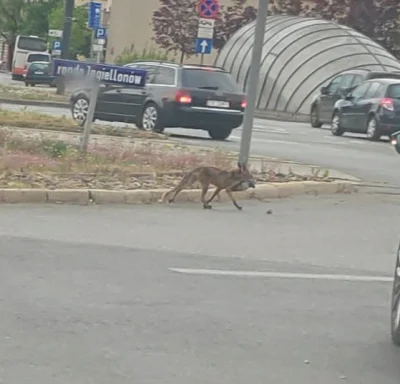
[{"x": 229, "y": 181}]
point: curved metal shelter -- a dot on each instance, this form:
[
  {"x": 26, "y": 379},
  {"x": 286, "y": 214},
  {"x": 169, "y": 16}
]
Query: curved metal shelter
[{"x": 299, "y": 56}]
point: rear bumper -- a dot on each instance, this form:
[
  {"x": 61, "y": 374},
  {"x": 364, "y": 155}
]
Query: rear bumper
[
  {"x": 389, "y": 124},
  {"x": 39, "y": 80},
  {"x": 203, "y": 118}
]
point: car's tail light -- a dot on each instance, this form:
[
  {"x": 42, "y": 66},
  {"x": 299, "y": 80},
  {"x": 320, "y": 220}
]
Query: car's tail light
[
  {"x": 244, "y": 104},
  {"x": 387, "y": 104},
  {"x": 183, "y": 97}
]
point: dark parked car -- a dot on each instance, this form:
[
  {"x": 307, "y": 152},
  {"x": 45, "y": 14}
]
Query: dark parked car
[
  {"x": 372, "y": 108},
  {"x": 191, "y": 96},
  {"x": 322, "y": 105},
  {"x": 395, "y": 302},
  {"x": 39, "y": 72},
  {"x": 187, "y": 96},
  {"x": 114, "y": 103}
]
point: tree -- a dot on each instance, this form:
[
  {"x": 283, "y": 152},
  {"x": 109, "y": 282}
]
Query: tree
[
  {"x": 175, "y": 26},
  {"x": 80, "y": 34},
  {"x": 11, "y": 18},
  {"x": 37, "y": 16},
  {"x": 231, "y": 19},
  {"x": 287, "y": 7}
]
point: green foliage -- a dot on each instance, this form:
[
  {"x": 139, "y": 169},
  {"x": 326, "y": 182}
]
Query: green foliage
[
  {"x": 130, "y": 54},
  {"x": 54, "y": 149},
  {"x": 11, "y": 18},
  {"x": 80, "y": 34}
]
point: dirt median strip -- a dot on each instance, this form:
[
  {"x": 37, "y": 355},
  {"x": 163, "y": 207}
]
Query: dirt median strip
[{"x": 262, "y": 192}]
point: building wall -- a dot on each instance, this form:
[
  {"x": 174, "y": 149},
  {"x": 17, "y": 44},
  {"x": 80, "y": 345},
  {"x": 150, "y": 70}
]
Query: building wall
[{"x": 130, "y": 23}]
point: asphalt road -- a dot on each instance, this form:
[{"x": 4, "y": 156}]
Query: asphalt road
[
  {"x": 91, "y": 294},
  {"x": 374, "y": 162}
]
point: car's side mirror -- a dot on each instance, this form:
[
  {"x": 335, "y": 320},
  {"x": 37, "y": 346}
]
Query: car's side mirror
[
  {"x": 395, "y": 140},
  {"x": 349, "y": 97},
  {"x": 324, "y": 90}
]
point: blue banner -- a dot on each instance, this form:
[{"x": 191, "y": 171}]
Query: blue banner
[
  {"x": 94, "y": 15},
  {"x": 106, "y": 73}
]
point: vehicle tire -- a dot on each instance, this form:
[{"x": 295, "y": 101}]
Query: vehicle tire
[
  {"x": 220, "y": 133},
  {"x": 151, "y": 119},
  {"x": 395, "y": 306},
  {"x": 79, "y": 109},
  {"x": 26, "y": 84},
  {"x": 336, "y": 129},
  {"x": 373, "y": 131},
  {"x": 314, "y": 117}
]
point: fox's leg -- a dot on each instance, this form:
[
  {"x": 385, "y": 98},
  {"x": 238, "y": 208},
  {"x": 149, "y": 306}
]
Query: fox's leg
[
  {"x": 229, "y": 193},
  {"x": 216, "y": 192},
  {"x": 204, "y": 190},
  {"x": 184, "y": 183}
]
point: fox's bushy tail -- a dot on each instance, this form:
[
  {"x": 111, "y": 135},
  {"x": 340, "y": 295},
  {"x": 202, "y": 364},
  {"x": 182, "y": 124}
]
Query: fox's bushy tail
[{"x": 186, "y": 181}]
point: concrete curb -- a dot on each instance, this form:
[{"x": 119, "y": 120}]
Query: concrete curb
[
  {"x": 86, "y": 196},
  {"x": 268, "y": 115},
  {"x": 36, "y": 103}
]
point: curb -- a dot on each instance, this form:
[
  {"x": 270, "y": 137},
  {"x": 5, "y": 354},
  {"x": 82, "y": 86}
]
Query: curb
[
  {"x": 267, "y": 115},
  {"x": 92, "y": 196},
  {"x": 36, "y": 103}
]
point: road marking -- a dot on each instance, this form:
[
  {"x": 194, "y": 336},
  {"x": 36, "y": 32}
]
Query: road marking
[{"x": 284, "y": 275}]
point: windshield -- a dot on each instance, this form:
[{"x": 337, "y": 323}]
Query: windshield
[
  {"x": 394, "y": 91},
  {"x": 38, "y": 57},
  {"x": 209, "y": 79},
  {"x": 32, "y": 44}
]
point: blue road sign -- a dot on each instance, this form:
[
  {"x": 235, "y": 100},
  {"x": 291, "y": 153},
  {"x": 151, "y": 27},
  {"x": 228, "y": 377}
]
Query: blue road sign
[
  {"x": 94, "y": 15},
  {"x": 209, "y": 9},
  {"x": 101, "y": 33},
  {"x": 203, "y": 46},
  {"x": 56, "y": 45},
  {"x": 111, "y": 74}
]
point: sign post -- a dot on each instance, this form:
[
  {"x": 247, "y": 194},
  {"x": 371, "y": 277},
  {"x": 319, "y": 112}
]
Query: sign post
[
  {"x": 94, "y": 22},
  {"x": 252, "y": 86},
  {"x": 56, "y": 47},
  {"x": 99, "y": 73},
  {"x": 208, "y": 13}
]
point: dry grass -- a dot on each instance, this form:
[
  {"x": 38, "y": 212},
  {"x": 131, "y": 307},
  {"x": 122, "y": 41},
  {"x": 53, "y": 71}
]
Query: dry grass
[
  {"x": 57, "y": 164},
  {"x": 20, "y": 93},
  {"x": 34, "y": 120}
]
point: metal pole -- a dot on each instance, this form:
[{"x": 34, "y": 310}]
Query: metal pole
[
  {"x": 90, "y": 115},
  {"x": 202, "y": 59},
  {"x": 68, "y": 16},
  {"x": 91, "y": 43},
  {"x": 252, "y": 86}
]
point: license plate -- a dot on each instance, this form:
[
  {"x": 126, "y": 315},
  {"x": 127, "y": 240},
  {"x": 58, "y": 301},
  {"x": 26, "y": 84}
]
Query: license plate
[
  {"x": 39, "y": 73},
  {"x": 217, "y": 104}
]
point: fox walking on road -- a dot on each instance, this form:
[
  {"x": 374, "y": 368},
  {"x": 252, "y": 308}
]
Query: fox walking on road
[{"x": 223, "y": 180}]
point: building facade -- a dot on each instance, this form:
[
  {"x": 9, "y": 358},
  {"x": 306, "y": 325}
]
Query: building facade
[{"x": 130, "y": 24}]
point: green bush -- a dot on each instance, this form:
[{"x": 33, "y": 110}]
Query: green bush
[{"x": 130, "y": 54}]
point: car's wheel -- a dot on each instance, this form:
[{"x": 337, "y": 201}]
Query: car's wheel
[
  {"x": 26, "y": 84},
  {"x": 151, "y": 119},
  {"x": 395, "y": 307},
  {"x": 373, "y": 131},
  {"x": 336, "y": 128},
  {"x": 220, "y": 133},
  {"x": 80, "y": 108},
  {"x": 314, "y": 117}
]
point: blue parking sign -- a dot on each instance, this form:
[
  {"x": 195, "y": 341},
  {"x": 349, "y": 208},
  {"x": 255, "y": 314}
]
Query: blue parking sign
[
  {"x": 101, "y": 33},
  {"x": 94, "y": 15}
]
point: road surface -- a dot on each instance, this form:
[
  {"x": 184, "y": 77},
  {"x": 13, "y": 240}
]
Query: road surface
[
  {"x": 125, "y": 295},
  {"x": 374, "y": 162}
]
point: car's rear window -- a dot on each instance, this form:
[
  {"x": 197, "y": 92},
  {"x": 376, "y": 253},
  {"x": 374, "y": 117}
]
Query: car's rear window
[
  {"x": 38, "y": 57},
  {"x": 209, "y": 79},
  {"x": 39, "y": 66},
  {"x": 394, "y": 91}
]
